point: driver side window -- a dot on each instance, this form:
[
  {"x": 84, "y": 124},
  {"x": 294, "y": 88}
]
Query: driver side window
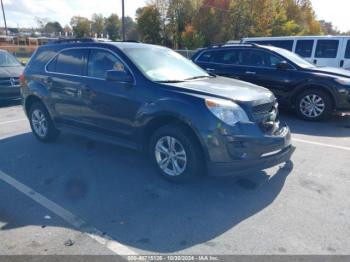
[
  {"x": 259, "y": 58},
  {"x": 101, "y": 61}
]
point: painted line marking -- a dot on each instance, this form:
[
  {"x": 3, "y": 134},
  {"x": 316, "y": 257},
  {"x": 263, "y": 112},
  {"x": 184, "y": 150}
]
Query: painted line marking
[
  {"x": 13, "y": 121},
  {"x": 320, "y": 144},
  {"x": 69, "y": 217}
]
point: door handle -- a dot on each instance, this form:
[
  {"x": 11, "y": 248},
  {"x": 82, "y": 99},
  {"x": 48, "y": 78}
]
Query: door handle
[
  {"x": 315, "y": 62},
  {"x": 250, "y": 73},
  {"x": 341, "y": 63}
]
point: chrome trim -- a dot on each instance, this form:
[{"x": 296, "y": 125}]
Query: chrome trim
[{"x": 90, "y": 77}]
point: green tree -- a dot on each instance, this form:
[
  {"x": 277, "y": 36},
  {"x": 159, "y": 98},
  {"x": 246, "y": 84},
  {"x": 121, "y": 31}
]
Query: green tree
[
  {"x": 53, "y": 28},
  {"x": 130, "y": 29},
  {"x": 191, "y": 38},
  {"x": 149, "y": 24},
  {"x": 98, "y": 24},
  {"x": 81, "y": 26},
  {"x": 113, "y": 26}
]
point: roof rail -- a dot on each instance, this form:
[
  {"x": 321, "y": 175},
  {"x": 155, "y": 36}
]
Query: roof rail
[
  {"x": 231, "y": 44},
  {"x": 74, "y": 40}
]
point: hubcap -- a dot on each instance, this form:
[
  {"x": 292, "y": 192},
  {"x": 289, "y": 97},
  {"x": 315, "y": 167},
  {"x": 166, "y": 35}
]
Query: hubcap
[
  {"x": 312, "y": 106},
  {"x": 39, "y": 123},
  {"x": 171, "y": 156}
]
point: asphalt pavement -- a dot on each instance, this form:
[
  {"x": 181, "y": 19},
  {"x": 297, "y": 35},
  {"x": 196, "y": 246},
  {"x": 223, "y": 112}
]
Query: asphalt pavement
[{"x": 78, "y": 196}]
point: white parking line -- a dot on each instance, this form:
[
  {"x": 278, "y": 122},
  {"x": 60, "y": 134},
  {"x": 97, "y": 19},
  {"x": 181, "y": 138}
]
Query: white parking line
[
  {"x": 321, "y": 144},
  {"x": 69, "y": 217},
  {"x": 13, "y": 121}
]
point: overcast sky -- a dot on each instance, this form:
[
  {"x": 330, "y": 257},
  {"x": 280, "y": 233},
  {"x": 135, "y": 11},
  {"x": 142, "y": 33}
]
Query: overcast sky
[{"x": 23, "y": 12}]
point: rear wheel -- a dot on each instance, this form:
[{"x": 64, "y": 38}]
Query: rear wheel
[
  {"x": 175, "y": 153},
  {"x": 41, "y": 123},
  {"x": 314, "y": 105}
]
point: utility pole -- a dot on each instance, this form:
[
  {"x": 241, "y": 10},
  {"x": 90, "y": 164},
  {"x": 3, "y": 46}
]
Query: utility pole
[
  {"x": 3, "y": 12},
  {"x": 123, "y": 20}
]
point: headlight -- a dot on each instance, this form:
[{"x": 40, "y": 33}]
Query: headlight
[
  {"x": 343, "y": 81},
  {"x": 226, "y": 110}
]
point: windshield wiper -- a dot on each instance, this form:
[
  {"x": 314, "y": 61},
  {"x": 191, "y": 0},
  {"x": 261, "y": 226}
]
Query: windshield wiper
[
  {"x": 170, "y": 81},
  {"x": 196, "y": 77}
]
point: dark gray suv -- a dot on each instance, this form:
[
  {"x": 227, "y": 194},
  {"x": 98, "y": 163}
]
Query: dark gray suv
[{"x": 150, "y": 98}]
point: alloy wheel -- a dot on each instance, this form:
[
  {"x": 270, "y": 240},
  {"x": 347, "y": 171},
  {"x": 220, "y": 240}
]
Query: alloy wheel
[
  {"x": 39, "y": 122},
  {"x": 170, "y": 155},
  {"x": 312, "y": 106}
]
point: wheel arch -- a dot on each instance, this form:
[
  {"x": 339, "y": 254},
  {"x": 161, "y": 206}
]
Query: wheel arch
[{"x": 163, "y": 120}]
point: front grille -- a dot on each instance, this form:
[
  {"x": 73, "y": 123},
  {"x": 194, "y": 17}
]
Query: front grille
[
  {"x": 266, "y": 115},
  {"x": 263, "y": 108},
  {"x": 10, "y": 81}
]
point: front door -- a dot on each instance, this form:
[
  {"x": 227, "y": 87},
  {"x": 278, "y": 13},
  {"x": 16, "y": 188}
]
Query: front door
[
  {"x": 110, "y": 106},
  {"x": 345, "y": 61}
]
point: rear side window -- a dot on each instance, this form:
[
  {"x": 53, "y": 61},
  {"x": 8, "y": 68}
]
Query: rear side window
[
  {"x": 101, "y": 61},
  {"x": 347, "y": 51},
  {"x": 228, "y": 57},
  {"x": 304, "y": 48},
  {"x": 206, "y": 57},
  {"x": 285, "y": 44},
  {"x": 258, "y": 58},
  {"x": 72, "y": 62},
  {"x": 327, "y": 48}
]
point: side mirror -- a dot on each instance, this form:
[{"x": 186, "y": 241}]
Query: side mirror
[
  {"x": 282, "y": 65},
  {"x": 119, "y": 76}
]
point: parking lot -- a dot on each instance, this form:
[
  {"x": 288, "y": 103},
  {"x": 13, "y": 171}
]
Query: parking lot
[{"x": 83, "y": 197}]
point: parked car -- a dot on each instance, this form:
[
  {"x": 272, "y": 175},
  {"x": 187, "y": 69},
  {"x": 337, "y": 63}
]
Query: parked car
[
  {"x": 314, "y": 92},
  {"x": 150, "y": 98},
  {"x": 10, "y": 70},
  {"x": 331, "y": 51}
]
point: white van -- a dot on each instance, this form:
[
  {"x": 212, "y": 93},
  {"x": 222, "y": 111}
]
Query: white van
[{"x": 321, "y": 50}]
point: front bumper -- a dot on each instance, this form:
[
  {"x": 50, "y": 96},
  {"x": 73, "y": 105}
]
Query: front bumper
[
  {"x": 10, "y": 93},
  {"x": 244, "y": 154}
]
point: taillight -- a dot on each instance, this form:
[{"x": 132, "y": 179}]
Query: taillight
[{"x": 22, "y": 79}]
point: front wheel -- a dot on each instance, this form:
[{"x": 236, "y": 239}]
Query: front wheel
[
  {"x": 314, "y": 105},
  {"x": 41, "y": 123},
  {"x": 175, "y": 153}
]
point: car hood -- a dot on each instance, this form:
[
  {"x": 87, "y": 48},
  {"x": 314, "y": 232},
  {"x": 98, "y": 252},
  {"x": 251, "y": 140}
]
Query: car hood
[
  {"x": 11, "y": 71},
  {"x": 227, "y": 88},
  {"x": 331, "y": 71}
]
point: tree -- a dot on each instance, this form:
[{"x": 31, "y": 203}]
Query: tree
[
  {"x": 81, "y": 26},
  {"x": 179, "y": 14},
  {"x": 191, "y": 38},
  {"x": 98, "y": 24},
  {"x": 149, "y": 24},
  {"x": 53, "y": 28},
  {"x": 113, "y": 26},
  {"x": 130, "y": 29}
]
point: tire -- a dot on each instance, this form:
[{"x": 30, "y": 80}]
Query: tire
[
  {"x": 184, "y": 161},
  {"x": 40, "y": 119},
  {"x": 314, "y": 105}
]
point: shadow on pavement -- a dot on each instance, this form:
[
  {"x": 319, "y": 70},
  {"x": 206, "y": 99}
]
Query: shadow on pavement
[
  {"x": 117, "y": 191},
  {"x": 10, "y": 103}
]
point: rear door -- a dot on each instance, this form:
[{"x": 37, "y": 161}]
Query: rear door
[
  {"x": 65, "y": 76},
  {"x": 328, "y": 52},
  {"x": 345, "y": 61}
]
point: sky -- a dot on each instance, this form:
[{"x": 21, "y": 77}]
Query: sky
[{"x": 22, "y": 13}]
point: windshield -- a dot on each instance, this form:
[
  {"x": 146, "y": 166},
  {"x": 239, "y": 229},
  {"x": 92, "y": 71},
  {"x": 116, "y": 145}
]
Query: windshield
[
  {"x": 6, "y": 59},
  {"x": 293, "y": 57},
  {"x": 164, "y": 65}
]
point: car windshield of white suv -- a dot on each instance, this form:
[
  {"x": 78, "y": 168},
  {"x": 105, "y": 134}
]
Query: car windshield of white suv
[
  {"x": 7, "y": 59},
  {"x": 293, "y": 57},
  {"x": 164, "y": 65}
]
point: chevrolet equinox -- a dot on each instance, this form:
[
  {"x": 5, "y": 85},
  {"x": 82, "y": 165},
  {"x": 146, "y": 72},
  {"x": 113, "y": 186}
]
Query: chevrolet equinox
[{"x": 150, "y": 98}]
